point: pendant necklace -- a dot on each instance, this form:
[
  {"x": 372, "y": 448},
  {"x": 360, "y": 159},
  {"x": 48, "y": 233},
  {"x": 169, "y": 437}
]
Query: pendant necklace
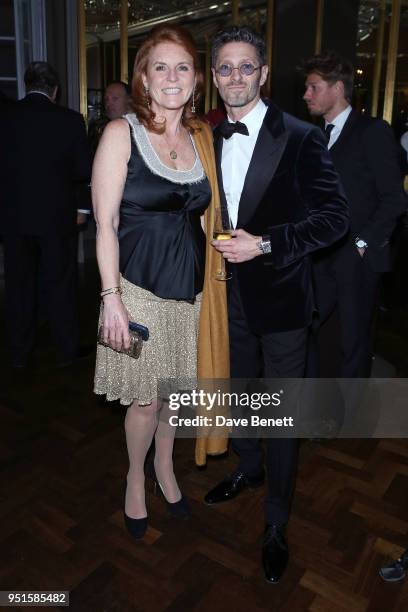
[{"x": 173, "y": 152}]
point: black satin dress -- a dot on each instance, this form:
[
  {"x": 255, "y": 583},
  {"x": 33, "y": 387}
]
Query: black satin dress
[
  {"x": 161, "y": 242},
  {"x": 162, "y": 256}
]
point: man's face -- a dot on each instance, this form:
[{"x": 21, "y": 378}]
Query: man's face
[
  {"x": 320, "y": 96},
  {"x": 116, "y": 101},
  {"x": 237, "y": 90}
]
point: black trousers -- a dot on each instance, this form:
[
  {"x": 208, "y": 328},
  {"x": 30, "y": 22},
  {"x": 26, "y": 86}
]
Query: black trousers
[
  {"x": 354, "y": 295},
  {"x": 45, "y": 263},
  {"x": 274, "y": 355}
]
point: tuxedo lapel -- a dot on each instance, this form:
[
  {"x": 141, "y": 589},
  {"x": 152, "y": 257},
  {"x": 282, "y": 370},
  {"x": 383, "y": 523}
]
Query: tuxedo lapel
[
  {"x": 267, "y": 154},
  {"x": 342, "y": 140},
  {"x": 218, "y": 143}
]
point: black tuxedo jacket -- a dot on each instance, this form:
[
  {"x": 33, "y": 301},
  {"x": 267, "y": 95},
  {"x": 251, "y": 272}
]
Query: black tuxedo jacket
[
  {"x": 44, "y": 167},
  {"x": 366, "y": 158},
  {"x": 292, "y": 194}
]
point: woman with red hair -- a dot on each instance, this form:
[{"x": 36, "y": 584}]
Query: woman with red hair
[{"x": 153, "y": 181}]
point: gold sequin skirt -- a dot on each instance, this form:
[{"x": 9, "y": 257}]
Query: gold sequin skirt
[{"x": 170, "y": 352}]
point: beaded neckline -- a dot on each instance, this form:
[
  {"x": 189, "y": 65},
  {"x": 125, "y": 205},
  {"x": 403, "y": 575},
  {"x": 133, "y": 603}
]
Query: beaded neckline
[{"x": 153, "y": 161}]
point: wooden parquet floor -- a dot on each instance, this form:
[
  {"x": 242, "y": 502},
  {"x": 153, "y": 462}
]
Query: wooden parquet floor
[
  {"x": 63, "y": 462},
  {"x": 62, "y": 466}
]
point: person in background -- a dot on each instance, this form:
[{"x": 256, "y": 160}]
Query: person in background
[
  {"x": 117, "y": 99},
  {"x": 44, "y": 176},
  {"x": 364, "y": 153},
  {"x": 214, "y": 117},
  {"x": 117, "y": 102}
]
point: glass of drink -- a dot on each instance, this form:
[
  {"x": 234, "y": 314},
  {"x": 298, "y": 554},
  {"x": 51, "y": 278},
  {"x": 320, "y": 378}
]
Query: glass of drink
[{"x": 222, "y": 231}]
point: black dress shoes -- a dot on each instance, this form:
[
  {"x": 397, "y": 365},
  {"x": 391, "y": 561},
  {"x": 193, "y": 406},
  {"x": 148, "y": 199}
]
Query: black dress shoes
[
  {"x": 275, "y": 553},
  {"x": 232, "y": 486},
  {"x": 396, "y": 571}
]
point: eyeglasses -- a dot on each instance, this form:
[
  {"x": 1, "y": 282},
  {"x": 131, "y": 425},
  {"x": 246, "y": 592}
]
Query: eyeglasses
[{"x": 246, "y": 69}]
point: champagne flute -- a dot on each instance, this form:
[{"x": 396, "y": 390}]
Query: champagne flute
[{"x": 222, "y": 231}]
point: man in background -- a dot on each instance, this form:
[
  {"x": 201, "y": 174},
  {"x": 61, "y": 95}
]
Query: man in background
[
  {"x": 364, "y": 153},
  {"x": 116, "y": 103},
  {"x": 116, "y": 99},
  {"x": 44, "y": 174}
]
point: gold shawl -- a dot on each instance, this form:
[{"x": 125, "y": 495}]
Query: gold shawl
[{"x": 213, "y": 342}]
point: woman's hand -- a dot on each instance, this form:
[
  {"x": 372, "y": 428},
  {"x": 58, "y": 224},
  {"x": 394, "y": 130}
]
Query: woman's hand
[
  {"x": 115, "y": 322},
  {"x": 108, "y": 180}
]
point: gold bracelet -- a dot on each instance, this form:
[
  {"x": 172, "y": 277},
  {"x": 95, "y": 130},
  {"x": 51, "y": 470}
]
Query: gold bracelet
[{"x": 117, "y": 290}]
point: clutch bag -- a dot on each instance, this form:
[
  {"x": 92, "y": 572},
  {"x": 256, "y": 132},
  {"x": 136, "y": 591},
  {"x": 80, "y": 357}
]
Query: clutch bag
[{"x": 138, "y": 333}]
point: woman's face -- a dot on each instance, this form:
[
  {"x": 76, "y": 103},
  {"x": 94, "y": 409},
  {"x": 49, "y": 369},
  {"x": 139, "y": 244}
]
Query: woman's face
[{"x": 170, "y": 77}]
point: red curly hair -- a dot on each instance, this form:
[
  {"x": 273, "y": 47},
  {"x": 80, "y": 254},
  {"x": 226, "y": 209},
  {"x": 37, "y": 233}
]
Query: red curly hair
[{"x": 164, "y": 34}]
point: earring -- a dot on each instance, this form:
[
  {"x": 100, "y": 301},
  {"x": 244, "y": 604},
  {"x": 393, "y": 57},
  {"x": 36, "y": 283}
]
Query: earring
[
  {"x": 147, "y": 96},
  {"x": 193, "y": 108}
]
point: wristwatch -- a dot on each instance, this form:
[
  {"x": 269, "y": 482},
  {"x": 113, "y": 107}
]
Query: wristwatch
[
  {"x": 360, "y": 243},
  {"x": 264, "y": 245}
]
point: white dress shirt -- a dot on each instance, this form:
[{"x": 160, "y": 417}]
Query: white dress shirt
[
  {"x": 338, "y": 123},
  {"x": 404, "y": 142},
  {"x": 236, "y": 156}
]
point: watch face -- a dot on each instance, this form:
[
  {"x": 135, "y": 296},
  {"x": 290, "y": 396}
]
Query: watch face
[{"x": 360, "y": 244}]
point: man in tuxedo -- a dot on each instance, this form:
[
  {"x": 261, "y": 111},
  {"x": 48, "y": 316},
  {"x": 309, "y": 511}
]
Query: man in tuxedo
[
  {"x": 45, "y": 171},
  {"x": 282, "y": 194},
  {"x": 365, "y": 155}
]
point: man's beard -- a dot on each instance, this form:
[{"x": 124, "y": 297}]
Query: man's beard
[{"x": 241, "y": 98}]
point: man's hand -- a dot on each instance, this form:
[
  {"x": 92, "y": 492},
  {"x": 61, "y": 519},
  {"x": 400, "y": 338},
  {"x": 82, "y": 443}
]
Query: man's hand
[{"x": 241, "y": 247}]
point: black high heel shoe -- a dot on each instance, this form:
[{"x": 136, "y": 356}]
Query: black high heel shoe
[
  {"x": 136, "y": 527},
  {"x": 179, "y": 509}
]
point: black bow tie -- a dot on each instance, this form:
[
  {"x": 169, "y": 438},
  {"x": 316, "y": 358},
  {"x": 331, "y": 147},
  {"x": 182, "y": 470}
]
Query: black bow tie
[{"x": 227, "y": 129}]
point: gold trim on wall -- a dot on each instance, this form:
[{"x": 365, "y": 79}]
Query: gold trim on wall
[
  {"x": 235, "y": 12},
  {"x": 270, "y": 13},
  {"x": 124, "y": 22},
  {"x": 208, "y": 77},
  {"x": 319, "y": 25},
  {"x": 105, "y": 76},
  {"x": 392, "y": 60},
  {"x": 83, "y": 97},
  {"x": 378, "y": 59},
  {"x": 113, "y": 62}
]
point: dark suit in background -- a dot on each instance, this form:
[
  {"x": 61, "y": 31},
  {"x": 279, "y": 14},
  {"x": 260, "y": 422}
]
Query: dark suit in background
[
  {"x": 365, "y": 156},
  {"x": 44, "y": 169},
  {"x": 364, "y": 153}
]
